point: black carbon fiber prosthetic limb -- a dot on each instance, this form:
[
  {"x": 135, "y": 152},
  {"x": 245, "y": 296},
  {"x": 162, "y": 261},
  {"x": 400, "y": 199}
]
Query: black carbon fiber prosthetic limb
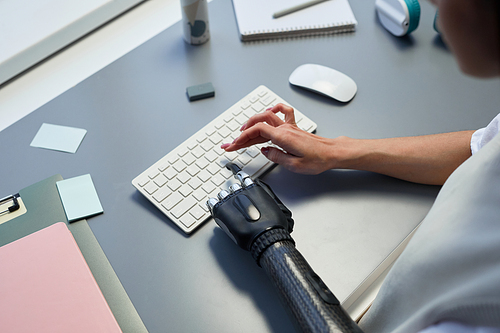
[
  {"x": 308, "y": 300},
  {"x": 255, "y": 219}
]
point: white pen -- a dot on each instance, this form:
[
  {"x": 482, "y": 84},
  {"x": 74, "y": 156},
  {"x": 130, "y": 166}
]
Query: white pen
[{"x": 296, "y": 8}]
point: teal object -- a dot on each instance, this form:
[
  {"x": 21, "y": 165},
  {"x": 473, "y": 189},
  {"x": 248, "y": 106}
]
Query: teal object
[
  {"x": 414, "y": 12},
  {"x": 61, "y": 138},
  {"x": 198, "y": 29},
  {"x": 79, "y": 197},
  {"x": 435, "y": 23}
]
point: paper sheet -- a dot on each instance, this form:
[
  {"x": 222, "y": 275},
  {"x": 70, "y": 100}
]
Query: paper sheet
[
  {"x": 79, "y": 197},
  {"x": 60, "y": 138}
]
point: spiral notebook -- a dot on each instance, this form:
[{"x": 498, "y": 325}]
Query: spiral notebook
[{"x": 255, "y": 19}]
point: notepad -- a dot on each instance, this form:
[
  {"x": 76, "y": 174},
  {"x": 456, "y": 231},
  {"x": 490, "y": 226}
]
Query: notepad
[
  {"x": 79, "y": 197},
  {"x": 46, "y": 286},
  {"x": 255, "y": 19},
  {"x": 61, "y": 138}
]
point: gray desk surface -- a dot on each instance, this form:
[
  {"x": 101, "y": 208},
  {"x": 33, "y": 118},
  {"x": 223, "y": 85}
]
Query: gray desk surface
[{"x": 136, "y": 110}]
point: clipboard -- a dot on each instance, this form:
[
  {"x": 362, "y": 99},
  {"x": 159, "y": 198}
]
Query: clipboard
[
  {"x": 43, "y": 208},
  {"x": 11, "y": 207}
]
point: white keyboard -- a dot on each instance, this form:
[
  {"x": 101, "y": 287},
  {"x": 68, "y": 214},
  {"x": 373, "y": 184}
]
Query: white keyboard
[{"x": 181, "y": 182}]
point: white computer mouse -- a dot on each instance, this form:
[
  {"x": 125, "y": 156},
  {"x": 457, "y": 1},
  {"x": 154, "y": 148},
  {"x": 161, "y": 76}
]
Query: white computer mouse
[{"x": 325, "y": 81}]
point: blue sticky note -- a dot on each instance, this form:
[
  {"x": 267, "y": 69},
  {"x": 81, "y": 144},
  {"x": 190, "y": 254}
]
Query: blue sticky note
[
  {"x": 79, "y": 197},
  {"x": 61, "y": 138}
]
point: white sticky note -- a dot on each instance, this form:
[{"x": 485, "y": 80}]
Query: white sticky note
[
  {"x": 61, "y": 138},
  {"x": 79, "y": 197}
]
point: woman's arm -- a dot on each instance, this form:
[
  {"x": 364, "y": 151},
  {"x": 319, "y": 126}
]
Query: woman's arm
[{"x": 427, "y": 159}]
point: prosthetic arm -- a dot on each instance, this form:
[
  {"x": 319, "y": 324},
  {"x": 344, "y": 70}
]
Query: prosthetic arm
[{"x": 255, "y": 219}]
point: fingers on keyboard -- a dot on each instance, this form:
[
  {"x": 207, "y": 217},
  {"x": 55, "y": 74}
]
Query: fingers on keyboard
[{"x": 183, "y": 180}]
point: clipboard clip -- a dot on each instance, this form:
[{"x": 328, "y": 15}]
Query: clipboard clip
[{"x": 15, "y": 204}]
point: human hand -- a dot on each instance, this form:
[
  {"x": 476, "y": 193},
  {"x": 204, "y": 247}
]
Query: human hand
[{"x": 300, "y": 152}]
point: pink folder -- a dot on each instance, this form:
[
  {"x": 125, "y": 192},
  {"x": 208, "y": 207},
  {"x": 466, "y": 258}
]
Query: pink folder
[{"x": 46, "y": 286}]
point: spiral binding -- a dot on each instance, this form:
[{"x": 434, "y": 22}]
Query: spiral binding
[{"x": 314, "y": 30}]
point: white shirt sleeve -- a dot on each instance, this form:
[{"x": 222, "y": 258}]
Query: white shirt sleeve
[
  {"x": 484, "y": 135},
  {"x": 454, "y": 327},
  {"x": 480, "y": 138}
]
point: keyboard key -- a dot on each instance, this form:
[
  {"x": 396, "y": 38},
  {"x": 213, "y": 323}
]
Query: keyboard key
[
  {"x": 231, "y": 155},
  {"x": 174, "y": 184},
  {"x": 160, "y": 180},
  {"x": 249, "y": 112},
  {"x": 191, "y": 145},
  {"x": 241, "y": 119},
  {"x": 225, "y": 132},
  {"x": 203, "y": 206},
  {"x": 194, "y": 183},
  {"x": 163, "y": 166},
  {"x": 204, "y": 176},
  {"x": 185, "y": 190},
  {"x": 211, "y": 156},
  {"x": 143, "y": 181},
  {"x": 189, "y": 159},
  {"x": 233, "y": 125},
  {"x": 210, "y": 130},
  {"x": 153, "y": 173},
  {"x": 214, "y": 193},
  {"x": 183, "y": 152},
  {"x": 306, "y": 126},
  {"x": 202, "y": 163},
  {"x": 226, "y": 173},
  {"x": 197, "y": 212},
  {"x": 208, "y": 187},
  {"x": 187, "y": 220},
  {"x": 258, "y": 107},
  {"x": 207, "y": 145},
  {"x": 160, "y": 195},
  {"x": 179, "y": 165},
  {"x": 218, "y": 180},
  {"x": 198, "y": 152},
  {"x": 150, "y": 188},
  {"x": 199, "y": 194},
  {"x": 244, "y": 159},
  {"x": 170, "y": 173},
  {"x": 183, "y": 177},
  {"x": 222, "y": 161},
  {"x": 172, "y": 200},
  {"x": 193, "y": 170},
  {"x": 216, "y": 138},
  {"x": 268, "y": 100},
  {"x": 213, "y": 168},
  {"x": 173, "y": 159},
  {"x": 237, "y": 110},
  {"x": 183, "y": 206},
  {"x": 245, "y": 104}
]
